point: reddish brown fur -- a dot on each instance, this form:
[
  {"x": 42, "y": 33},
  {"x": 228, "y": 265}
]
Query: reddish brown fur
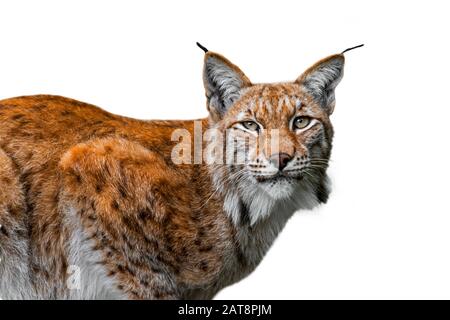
[
  {"x": 160, "y": 229},
  {"x": 125, "y": 187}
]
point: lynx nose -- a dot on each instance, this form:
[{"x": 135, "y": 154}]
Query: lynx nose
[{"x": 280, "y": 160}]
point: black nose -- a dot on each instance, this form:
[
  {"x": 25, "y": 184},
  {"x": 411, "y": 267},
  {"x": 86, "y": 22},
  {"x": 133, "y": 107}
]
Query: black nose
[{"x": 280, "y": 160}]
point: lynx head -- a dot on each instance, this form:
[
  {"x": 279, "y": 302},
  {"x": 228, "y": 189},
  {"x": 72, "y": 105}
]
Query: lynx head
[{"x": 282, "y": 130}]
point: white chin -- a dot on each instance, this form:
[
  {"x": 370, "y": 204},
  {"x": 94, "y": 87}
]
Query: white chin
[{"x": 278, "y": 188}]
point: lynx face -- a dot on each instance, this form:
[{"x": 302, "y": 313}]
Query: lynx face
[{"x": 282, "y": 132}]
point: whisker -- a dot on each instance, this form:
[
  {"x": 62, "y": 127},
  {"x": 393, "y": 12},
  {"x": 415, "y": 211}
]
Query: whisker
[
  {"x": 320, "y": 160},
  {"x": 308, "y": 174}
]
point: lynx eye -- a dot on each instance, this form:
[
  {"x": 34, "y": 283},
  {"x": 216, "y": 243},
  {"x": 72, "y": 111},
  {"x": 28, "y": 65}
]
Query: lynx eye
[
  {"x": 301, "y": 122},
  {"x": 250, "y": 125}
]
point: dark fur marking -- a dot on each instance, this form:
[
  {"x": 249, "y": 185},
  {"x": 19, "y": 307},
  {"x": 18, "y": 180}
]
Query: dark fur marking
[
  {"x": 322, "y": 193},
  {"x": 93, "y": 206},
  {"x": 6, "y": 180},
  {"x": 165, "y": 261},
  {"x": 3, "y": 230},
  {"x": 135, "y": 293},
  {"x": 201, "y": 232},
  {"x": 64, "y": 265},
  {"x": 245, "y": 216},
  {"x": 206, "y": 248},
  {"x": 195, "y": 217},
  {"x": 204, "y": 265},
  {"x": 153, "y": 243},
  {"x": 184, "y": 251},
  {"x": 99, "y": 188},
  {"x": 144, "y": 283},
  {"x": 17, "y": 116},
  {"x": 67, "y": 113},
  {"x": 115, "y": 205},
  {"x": 144, "y": 215},
  {"x": 130, "y": 271},
  {"x": 122, "y": 191},
  {"x": 39, "y": 107},
  {"x": 44, "y": 227},
  {"x": 155, "y": 269}
]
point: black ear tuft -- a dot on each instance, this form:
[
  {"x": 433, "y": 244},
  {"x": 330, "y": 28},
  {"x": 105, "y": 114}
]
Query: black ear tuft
[
  {"x": 352, "y": 48},
  {"x": 202, "y": 47}
]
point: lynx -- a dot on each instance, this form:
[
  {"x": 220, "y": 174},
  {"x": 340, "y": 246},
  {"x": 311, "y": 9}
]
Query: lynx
[{"x": 93, "y": 205}]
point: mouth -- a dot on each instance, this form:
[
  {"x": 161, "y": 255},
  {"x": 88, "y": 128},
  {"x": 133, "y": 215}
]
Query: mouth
[
  {"x": 278, "y": 186},
  {"x": 278, "y": 177}
]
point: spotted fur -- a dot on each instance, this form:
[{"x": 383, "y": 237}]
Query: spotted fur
[{"x": 93, "y": 206}]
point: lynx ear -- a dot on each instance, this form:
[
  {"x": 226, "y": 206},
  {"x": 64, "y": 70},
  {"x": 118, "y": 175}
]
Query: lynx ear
[
  {"x": 322, "y": 78},
  {"x": 223, "y": 83}
]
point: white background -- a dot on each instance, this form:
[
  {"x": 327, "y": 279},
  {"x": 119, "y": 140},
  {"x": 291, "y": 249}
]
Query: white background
[{"x": 385, "y": 231}]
